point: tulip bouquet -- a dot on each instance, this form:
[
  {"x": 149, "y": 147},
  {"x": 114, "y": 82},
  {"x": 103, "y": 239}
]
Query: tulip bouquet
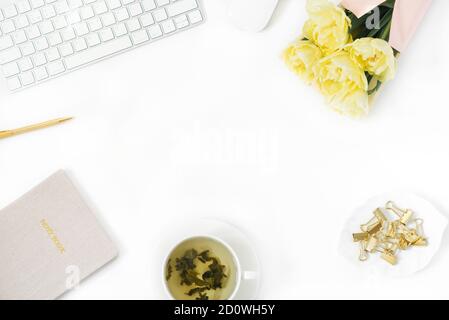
[{"x": 349, "y": 51}]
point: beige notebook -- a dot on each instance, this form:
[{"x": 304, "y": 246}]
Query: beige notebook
[{"x": 49, "y": 241}]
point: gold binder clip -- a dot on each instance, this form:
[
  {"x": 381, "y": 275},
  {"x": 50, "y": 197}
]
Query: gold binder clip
[
  {"x": 404, "y": 215},
  {"x": 361, "y": 236},
  {"x": 390, "y": 246},
  {"x": 380, "y": 215},
  {"x": 419, "y": 227},
  {"x": 403, "y": 243},
  {"x": 411, "y": 236},
  {"x": 388, "y": 237},
  {"x": 371, "y": 245},
  {"x": 373, "y": 229},
  {"x": 389, "y": 257},
  {"x": 421, "y": 242},
  {"x": 391, "y": 230},
  {"x": 367, "y": 226},
  {"x": 363, "y": 256}
]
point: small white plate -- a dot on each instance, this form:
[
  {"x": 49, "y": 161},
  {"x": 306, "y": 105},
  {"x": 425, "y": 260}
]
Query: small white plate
[
  {"x": 410, "y": 261},
  {"x": 233, "y": 237}
]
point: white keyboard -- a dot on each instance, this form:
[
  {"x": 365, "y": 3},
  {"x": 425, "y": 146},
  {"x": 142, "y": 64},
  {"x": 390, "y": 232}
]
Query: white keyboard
[{"x": 42, "y": 39}]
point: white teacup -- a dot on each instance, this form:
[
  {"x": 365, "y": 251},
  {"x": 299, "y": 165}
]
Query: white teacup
[{"x": 239, "y": 273}]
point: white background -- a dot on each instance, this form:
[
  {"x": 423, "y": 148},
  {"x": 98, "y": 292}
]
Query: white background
[{"x": 211, "y": 124}]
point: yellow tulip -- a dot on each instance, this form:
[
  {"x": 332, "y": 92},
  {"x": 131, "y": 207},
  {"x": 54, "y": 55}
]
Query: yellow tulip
[
  {"x": 301, "y": 57},
  {"x": 375, "y": 56},
  {"x": 351, "y": 103},
  {"x": 328, "y": 26},
  {"x": 343, "y": 83}
]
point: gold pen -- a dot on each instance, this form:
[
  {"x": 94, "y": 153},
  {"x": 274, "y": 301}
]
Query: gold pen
[{"x": 33, "y": 127}]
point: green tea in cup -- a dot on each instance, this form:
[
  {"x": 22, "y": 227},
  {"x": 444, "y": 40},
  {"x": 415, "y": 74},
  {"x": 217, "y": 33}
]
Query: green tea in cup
[{"x": 202, "y": 268}]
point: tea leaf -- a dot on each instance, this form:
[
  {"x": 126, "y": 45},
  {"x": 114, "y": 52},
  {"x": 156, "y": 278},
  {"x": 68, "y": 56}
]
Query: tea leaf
[
  {"x": 197, "y": 290},
  {"x": 202, "y": 296},
  {"x": 212, "y": 279},
  {"x": 169, "y": 270}
]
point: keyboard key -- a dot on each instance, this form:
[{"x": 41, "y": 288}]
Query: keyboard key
[
  {"x": 34, "y": 17},
  {"x": 162, "y": 2},
  {"x": 181, "y": 21},
  {"x": 23, "y": 6},
  {"x": 73, "y": 17},
  {"x": 25, "y": 64},
  {"x": 133, "y": 24},
  {"x": 195, "y": 16},
  {"x": 61, "y": 6},
  {"x": 106, "y": 34},
  {"x": 114, "y": 4},
  {"x": 27, "y": 49},
  {"x": 10, "y": 69},
  {"x": 79, "y": 44},
  {"x": 108, "y": 19},
  {"x": 160, "y": 15},
  {"x": 41, "y": 44},
  {"x": 48, "y": 12},
  {"x": 126, "y": 2},
  {"x": 55, "y": 68},
  {"x": 66, "y": 49},
  {"x": 120, "y": 29},
  {"x": 27, "y": 78},
  {"x": 181, "y": 6},
  {"x": 46, "y": 27},
  {"x": 21, "y": 22},
  {"x": 73, "y": 4},
  {"x": 10, "y": 11},
  {"x": 147, "y": 19},
  {"x": 33, "y": 32},
  {"x": 148, "y": 5},
  {"x": 39, "y": 59},
  {"x": 122, "y": 14},
  {"x": 37, "y": 3},
  {"x": 93, "y": 39},
  {"x": 168, "y": 26},
  {"x": 140, "y": 36},
  {"x": 68, "y": 34},
  {"x": 54, "y": 39},
  {"x": 155, "y": 31},
  {"x": 8, "y": 26},
  {"x": 98, "y": 52},
  {"x": 95, "y": 24},
  {"x": 6, "y": 42},
  {"x": 100, "y": 7},
  {"x": 19, "y": 37},
  {"x": 40, "y": 73},
  {"x": 135, "y": 9},
  {"x": 86, "y": 13},
  {"x": 14, "y": 83},
  {"x": 52, "y": 54},
  {"x": 59, "y": 22},
  {"x": 81, "y": 28}
]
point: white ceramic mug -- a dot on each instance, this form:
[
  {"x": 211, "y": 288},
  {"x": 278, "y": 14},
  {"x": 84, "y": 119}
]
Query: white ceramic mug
[{"x": 241, "y": 274}]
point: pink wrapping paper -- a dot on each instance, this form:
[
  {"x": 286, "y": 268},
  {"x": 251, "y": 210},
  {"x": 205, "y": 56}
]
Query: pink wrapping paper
[{"x": 407, "y": 16}]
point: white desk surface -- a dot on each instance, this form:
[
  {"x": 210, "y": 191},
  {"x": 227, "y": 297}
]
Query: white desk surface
[{"x": 211, "y": 124}]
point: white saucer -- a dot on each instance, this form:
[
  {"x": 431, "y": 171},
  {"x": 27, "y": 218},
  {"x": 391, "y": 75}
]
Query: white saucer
[
  {"x": 233, "y": 237},
  {"x": 409, "y": 261}
]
